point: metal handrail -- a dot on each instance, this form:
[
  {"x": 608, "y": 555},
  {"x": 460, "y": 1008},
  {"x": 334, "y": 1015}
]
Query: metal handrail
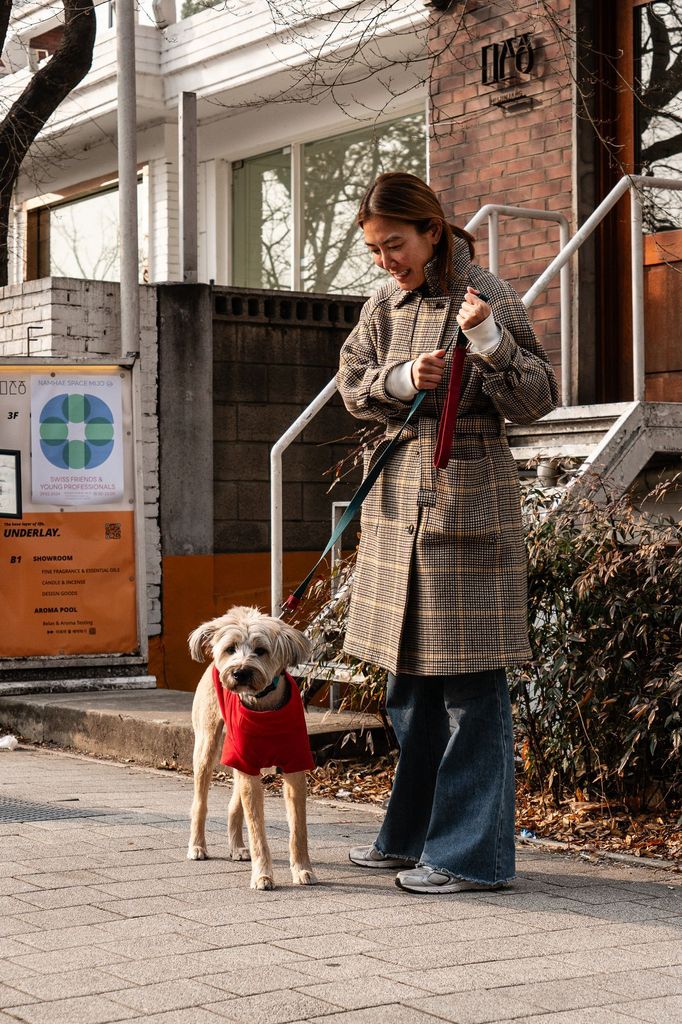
[
  {"x": 559, "y": 263},
  {"x": 492, "y": 211}
]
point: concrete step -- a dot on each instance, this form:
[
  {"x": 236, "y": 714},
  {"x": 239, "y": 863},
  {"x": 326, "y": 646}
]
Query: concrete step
[
  {"x": 13, "y": 687},
  {"x": 564, "y": 433},
  {"x": 151, "y": 726}
]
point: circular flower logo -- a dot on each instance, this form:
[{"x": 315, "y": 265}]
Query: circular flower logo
[{"x": 76, "y": 431}]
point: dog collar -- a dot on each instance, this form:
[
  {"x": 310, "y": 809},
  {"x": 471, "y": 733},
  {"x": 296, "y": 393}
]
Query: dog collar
[{"x": 268, "y": 689}]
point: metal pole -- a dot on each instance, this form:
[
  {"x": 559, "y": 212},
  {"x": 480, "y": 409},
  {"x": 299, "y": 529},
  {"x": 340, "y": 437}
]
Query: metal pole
[
  {"x": 188, "y": 192},
  {"x": 637, "y": 270},
  {"x": 276, "y": 552},
  {"x": 578, "y": 238},
  {"x": 565, "y": 314},
  {"x": 494, "y": 242},
  {"x": 280, "y": 446},
  {"x": 298, "y": 225},
  {"x": 127, "y": 175}
]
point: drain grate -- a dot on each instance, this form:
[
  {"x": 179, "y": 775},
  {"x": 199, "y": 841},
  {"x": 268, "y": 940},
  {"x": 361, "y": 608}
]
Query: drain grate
[{"x": 27, "y": 810}]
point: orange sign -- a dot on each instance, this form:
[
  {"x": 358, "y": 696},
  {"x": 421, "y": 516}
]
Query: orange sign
[{"x": 67, "y": 584}]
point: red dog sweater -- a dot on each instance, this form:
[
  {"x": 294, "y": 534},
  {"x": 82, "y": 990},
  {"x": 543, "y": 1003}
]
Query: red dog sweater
[{"x": 260, "y": 739}]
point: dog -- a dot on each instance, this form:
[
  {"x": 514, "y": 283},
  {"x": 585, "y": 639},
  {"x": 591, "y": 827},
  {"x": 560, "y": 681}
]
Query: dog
[{"x": 250, "y": 652}]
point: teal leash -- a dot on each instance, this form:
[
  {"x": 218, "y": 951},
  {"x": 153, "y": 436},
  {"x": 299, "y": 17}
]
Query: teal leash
[{"x": 354, "y": 505}]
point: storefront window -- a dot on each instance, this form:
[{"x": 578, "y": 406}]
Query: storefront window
[
  {"x": 658, "y": 39},
  {"x": 335, "y": 173},
  {"x": 80, "y": 237},
  {"x": 262, "y": 221}
]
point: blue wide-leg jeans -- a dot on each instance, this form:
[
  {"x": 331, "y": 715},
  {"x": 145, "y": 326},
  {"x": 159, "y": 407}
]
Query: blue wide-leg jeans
[{"x": 452, "y": 802}]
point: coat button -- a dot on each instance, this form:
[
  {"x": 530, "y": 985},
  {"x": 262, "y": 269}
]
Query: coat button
[{"x": 410, "y": 528}]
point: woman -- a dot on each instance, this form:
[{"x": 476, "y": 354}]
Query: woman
[{"x": 439, "y": 594}]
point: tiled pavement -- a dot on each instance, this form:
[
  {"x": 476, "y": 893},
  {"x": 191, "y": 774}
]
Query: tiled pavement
[{"x": 103, "y": 919}]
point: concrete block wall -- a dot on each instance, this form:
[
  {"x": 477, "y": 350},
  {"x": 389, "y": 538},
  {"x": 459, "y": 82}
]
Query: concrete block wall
[
  {"x": 273, "y": 353},
  {"x": 75, "y": 319},
  {"x": 481, "y": 152}
]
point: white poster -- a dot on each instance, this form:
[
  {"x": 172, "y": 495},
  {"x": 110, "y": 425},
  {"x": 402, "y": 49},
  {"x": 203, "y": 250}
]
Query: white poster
[{"x": 76, "y": 439}]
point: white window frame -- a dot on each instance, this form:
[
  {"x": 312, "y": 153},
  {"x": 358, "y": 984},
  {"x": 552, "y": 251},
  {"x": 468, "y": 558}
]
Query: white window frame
[{"x": 297, "y": 186}]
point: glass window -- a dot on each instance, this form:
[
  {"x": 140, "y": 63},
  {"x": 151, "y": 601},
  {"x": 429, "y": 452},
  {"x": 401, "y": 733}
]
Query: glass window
[
  {"x": 658, "y": 41},
  {"x": 261, "y": 201},
  {"x": 336, "y": 173},
  {"x": 80, "y": 238}
]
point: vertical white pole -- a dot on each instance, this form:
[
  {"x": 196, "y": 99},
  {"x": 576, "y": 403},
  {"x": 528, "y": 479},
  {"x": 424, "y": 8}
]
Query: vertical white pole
[
  {"x": 227, "y": 221},
  {"x": 187, "y": 142},
  {"x": 565, "y": 314},
  {"x": 276, "y": 548},
  {"x": 127, "y": 175},
  {"x": 637, "y": 269},
  {"x": 297, "y": 220},
  {"x": 494, "y": 242}
]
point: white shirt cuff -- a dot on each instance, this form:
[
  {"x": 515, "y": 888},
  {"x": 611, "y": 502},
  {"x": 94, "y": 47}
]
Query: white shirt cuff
[
  {"x": 399, "y": 382},
  {"x": 484, "y": 337}
]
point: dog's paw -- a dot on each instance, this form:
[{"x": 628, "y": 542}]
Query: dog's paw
[
  {"x": 303, "y": 876},
  {"x": 239, "y": 853},
  {"x": 262, "y": 882},
  {"x": 196, "y": 853}
]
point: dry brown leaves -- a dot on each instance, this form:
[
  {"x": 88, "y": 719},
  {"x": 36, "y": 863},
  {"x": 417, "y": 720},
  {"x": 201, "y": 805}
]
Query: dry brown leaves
[{"x": 595, "y": 827}]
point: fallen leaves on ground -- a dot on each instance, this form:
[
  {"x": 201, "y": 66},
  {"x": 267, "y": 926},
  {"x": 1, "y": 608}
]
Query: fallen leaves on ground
[{"x": 586, "y": 825}]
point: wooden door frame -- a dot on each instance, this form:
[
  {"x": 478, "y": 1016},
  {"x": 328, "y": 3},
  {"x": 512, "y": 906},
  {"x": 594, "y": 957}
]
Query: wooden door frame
[{"x": 615, "y": 108}]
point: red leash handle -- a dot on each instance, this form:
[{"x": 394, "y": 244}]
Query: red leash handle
[{"x": 448, "y": 419}]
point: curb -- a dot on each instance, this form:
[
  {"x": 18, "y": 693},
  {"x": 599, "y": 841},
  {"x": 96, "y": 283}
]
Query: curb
[{"x": 595, "y": 855}]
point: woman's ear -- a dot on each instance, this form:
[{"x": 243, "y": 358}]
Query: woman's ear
[{"x": 435, "y": 231}]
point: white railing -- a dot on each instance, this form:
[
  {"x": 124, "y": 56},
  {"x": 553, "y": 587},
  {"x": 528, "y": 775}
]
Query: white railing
[{"x": 559, "y": 265}]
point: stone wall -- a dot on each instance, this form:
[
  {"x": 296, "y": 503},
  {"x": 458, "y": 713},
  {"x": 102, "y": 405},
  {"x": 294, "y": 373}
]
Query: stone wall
[{"x": 273, "y": 353}]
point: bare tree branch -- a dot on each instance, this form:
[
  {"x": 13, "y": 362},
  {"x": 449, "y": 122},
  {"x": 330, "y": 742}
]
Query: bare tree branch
[
  {"x": 5, "y": 11},
  {"x": 48, "y": 87}
]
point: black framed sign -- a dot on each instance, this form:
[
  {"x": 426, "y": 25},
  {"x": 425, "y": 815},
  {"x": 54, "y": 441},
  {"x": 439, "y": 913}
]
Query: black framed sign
[{"x": 10, "y": 484}]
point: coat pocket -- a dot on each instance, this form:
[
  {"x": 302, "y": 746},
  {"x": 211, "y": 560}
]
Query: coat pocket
[{"x": 466, "y": 502}]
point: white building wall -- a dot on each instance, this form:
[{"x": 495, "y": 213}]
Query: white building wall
[{"x": 164, "y": 222}]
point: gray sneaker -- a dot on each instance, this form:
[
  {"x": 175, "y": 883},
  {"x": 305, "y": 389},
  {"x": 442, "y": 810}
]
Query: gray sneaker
[
  {"x": 369, "y": 857},
  {"x": 429, "y": 880}
]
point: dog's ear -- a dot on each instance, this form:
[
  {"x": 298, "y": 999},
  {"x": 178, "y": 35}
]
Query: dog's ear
[
  {"x": 291, "y": 646},
  {"x": 200, "y": 638}
]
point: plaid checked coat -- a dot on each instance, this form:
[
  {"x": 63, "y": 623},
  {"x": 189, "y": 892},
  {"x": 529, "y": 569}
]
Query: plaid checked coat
[{"x": 440, "y": 582}]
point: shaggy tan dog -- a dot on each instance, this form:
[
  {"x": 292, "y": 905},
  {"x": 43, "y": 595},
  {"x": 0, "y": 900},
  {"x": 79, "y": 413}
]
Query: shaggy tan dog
[{"x": 250, "y": 652}]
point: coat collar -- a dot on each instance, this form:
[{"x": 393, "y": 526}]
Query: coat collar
[{"x": 459, "y": 274}]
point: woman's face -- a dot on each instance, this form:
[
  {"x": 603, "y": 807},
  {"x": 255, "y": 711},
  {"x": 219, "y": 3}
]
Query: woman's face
[{"x": 401, "y": 250}]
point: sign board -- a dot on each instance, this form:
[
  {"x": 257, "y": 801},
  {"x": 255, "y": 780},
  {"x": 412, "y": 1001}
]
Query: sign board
[{"x": 67, "y": 540}]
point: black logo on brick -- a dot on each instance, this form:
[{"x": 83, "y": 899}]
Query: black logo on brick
[{"x": 501, "y": 62}]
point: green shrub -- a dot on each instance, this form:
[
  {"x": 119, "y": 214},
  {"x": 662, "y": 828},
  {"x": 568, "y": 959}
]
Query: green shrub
[{"x": 598, "y": 710}]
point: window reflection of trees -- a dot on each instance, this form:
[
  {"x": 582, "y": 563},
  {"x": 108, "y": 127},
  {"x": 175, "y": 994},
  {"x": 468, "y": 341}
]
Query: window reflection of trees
[
  {"x": 276, "y": 228},
  {"x": 658, "y": 83},
  {"x": 84, "y": 237},
  {"x": 337, "y": 172}
]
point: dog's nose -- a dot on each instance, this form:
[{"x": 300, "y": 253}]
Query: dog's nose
[{"x": 242, "y": 675}]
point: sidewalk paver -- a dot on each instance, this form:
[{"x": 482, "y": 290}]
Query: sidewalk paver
[{"x": 103, "y": 919}]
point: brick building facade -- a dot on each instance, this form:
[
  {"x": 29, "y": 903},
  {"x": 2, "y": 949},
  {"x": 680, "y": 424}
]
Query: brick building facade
[{"x": 508, "y": 141}]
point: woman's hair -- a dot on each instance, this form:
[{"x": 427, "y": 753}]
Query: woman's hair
[{"x": 406, "y": 197}]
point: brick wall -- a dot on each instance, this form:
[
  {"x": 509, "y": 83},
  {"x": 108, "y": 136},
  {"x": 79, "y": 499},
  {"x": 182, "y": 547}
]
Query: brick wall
[
  {"x": 483, "y": 153},
  {"x": 273, "y": 353},
  {"x": 78, "y": 319}
]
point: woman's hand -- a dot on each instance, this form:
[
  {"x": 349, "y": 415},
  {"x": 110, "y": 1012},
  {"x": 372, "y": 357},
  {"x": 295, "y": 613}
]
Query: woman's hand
[
  {"x": 473, "y": 310},
  {"x": 428, "y": 369}
]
